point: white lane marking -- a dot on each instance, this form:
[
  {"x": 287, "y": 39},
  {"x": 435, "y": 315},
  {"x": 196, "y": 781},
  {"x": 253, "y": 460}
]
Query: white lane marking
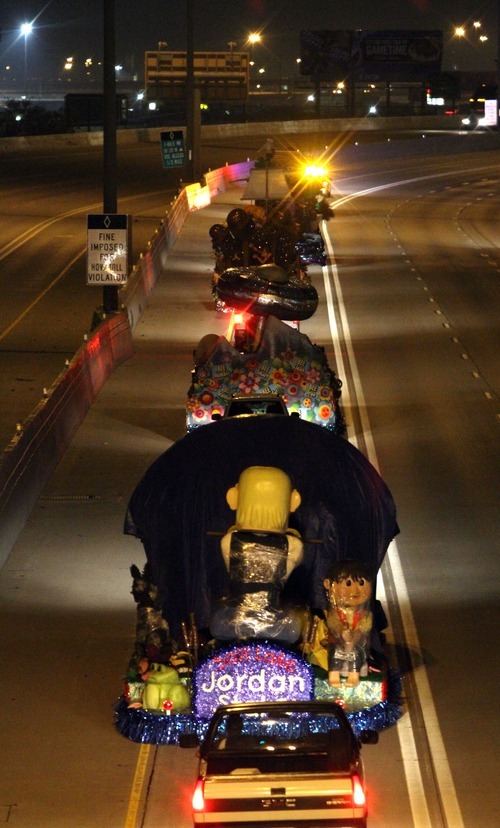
[
  {"x": 339, "y": 358},
  {"x": 430, "y": 176},
  {"x": 40, "y": 296},
  {"x": 36, "y": 229},
  {"x": 440, "y": 762},
  {"x": 414, "y": 783},
  {"x": 409, "y": 753}
]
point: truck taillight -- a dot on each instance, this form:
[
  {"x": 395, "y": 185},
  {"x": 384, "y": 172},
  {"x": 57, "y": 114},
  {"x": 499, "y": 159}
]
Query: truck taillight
[
  {"x": 358, "y": 793},
  {"x": 198, "y": 800}
]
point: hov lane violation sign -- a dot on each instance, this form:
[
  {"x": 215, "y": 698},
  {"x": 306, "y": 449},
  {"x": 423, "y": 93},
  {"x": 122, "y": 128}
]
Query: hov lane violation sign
[{"x": 107, "y": 249}]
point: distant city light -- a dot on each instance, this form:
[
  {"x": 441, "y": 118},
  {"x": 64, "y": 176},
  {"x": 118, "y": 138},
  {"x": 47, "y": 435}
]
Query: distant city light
[{"x": 435, "y": 101}]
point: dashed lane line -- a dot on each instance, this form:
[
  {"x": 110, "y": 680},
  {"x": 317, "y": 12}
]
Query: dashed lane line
[{"x": 413, "y": 776}]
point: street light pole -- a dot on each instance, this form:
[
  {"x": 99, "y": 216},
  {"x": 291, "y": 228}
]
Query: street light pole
[
  {"x": 193, "y": 115},
  {"x": 26, "y": 30},
  {"x": 110, "y": 292}
]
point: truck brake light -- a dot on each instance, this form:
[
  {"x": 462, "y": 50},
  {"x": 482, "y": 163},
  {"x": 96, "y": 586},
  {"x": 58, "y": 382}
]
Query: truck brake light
[
  {"x": 198, "y": 800},
  {"x": 358, "y": 794}
]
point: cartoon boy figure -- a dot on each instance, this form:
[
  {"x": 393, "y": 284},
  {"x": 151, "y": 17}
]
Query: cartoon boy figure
[
  {"x": 260, "y": 552},
  {"x": 349, "y": 621}
]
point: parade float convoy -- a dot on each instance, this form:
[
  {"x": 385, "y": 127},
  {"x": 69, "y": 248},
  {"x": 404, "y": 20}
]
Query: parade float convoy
[{"x": 264, "y": 530}]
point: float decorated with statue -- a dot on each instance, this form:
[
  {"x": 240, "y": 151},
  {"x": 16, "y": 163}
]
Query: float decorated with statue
[
  {"x": 263, "y": 538},
  {"x": 263, "y": 535}
]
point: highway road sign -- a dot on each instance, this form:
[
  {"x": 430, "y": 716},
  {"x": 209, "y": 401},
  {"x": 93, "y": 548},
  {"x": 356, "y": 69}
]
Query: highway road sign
[
  {"x": 107, "y": 249},
  {"x": 172, "y": 148}
]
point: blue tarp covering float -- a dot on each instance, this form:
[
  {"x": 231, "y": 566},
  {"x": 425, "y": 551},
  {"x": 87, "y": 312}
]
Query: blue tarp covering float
[
  {"x": 179, "y": 509},
  {"x": 180, "y": 513}
]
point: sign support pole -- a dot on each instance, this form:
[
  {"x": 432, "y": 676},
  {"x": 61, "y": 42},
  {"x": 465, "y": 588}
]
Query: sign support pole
[
  {"x": 193, "y": 115},
  {"x": 110, "y": 292}
]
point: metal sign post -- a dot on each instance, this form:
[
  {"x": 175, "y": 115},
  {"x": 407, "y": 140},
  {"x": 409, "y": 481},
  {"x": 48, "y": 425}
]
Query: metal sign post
[{"x": 110, "y": 290}]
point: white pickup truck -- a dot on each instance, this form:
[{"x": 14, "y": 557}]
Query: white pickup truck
[{"x": 281, "y": 764}]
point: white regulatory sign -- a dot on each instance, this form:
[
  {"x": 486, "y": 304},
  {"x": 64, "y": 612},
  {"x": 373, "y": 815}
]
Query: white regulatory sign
[{"x": 107, "y": 249}]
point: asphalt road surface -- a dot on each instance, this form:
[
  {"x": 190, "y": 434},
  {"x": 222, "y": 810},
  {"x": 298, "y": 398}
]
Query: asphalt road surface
[{"x": 409, "y": 318}]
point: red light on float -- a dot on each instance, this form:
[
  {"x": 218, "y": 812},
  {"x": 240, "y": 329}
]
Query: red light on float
[
  {"x": 358, "y": 793},
  {"x": 237, "y": 319},
  {"x": 198, "y": 800}
]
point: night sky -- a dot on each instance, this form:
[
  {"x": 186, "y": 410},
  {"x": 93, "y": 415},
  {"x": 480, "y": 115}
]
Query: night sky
[{"x": 74, "y": 28}]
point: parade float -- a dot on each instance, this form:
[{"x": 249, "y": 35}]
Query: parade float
[
  {"x": 260, "y": 356},
  {"x": 263, "y": 538},
  {"x": 261, "y": 261},
  {"x": 266, "y": 290},
  {"x": 260, "y": 277},
  {"x": 263, "y": 533}
]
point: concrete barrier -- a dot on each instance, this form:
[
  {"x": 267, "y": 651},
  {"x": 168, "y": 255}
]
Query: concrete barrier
[
  {"x": 262, "y": 128},
  {"x": 141, "y": 282},
  {"x": 33, "y": 454},
  {"x": 135, "y": 295}
]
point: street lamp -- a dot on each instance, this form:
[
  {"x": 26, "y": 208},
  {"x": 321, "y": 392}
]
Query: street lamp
[
  {"x": 252, "y": 39},
  {"x": 26, "y": 30}
]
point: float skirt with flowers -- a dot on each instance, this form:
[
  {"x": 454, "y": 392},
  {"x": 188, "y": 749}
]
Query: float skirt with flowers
[
  {"x": 284, "y": 361},
  {"x": 254, "y": 671}
]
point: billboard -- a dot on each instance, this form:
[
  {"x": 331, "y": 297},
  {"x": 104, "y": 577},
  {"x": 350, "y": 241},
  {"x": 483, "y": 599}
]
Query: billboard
[
  {"x": 325, "y": 54},
  {"x": 375, "y": 56}
]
